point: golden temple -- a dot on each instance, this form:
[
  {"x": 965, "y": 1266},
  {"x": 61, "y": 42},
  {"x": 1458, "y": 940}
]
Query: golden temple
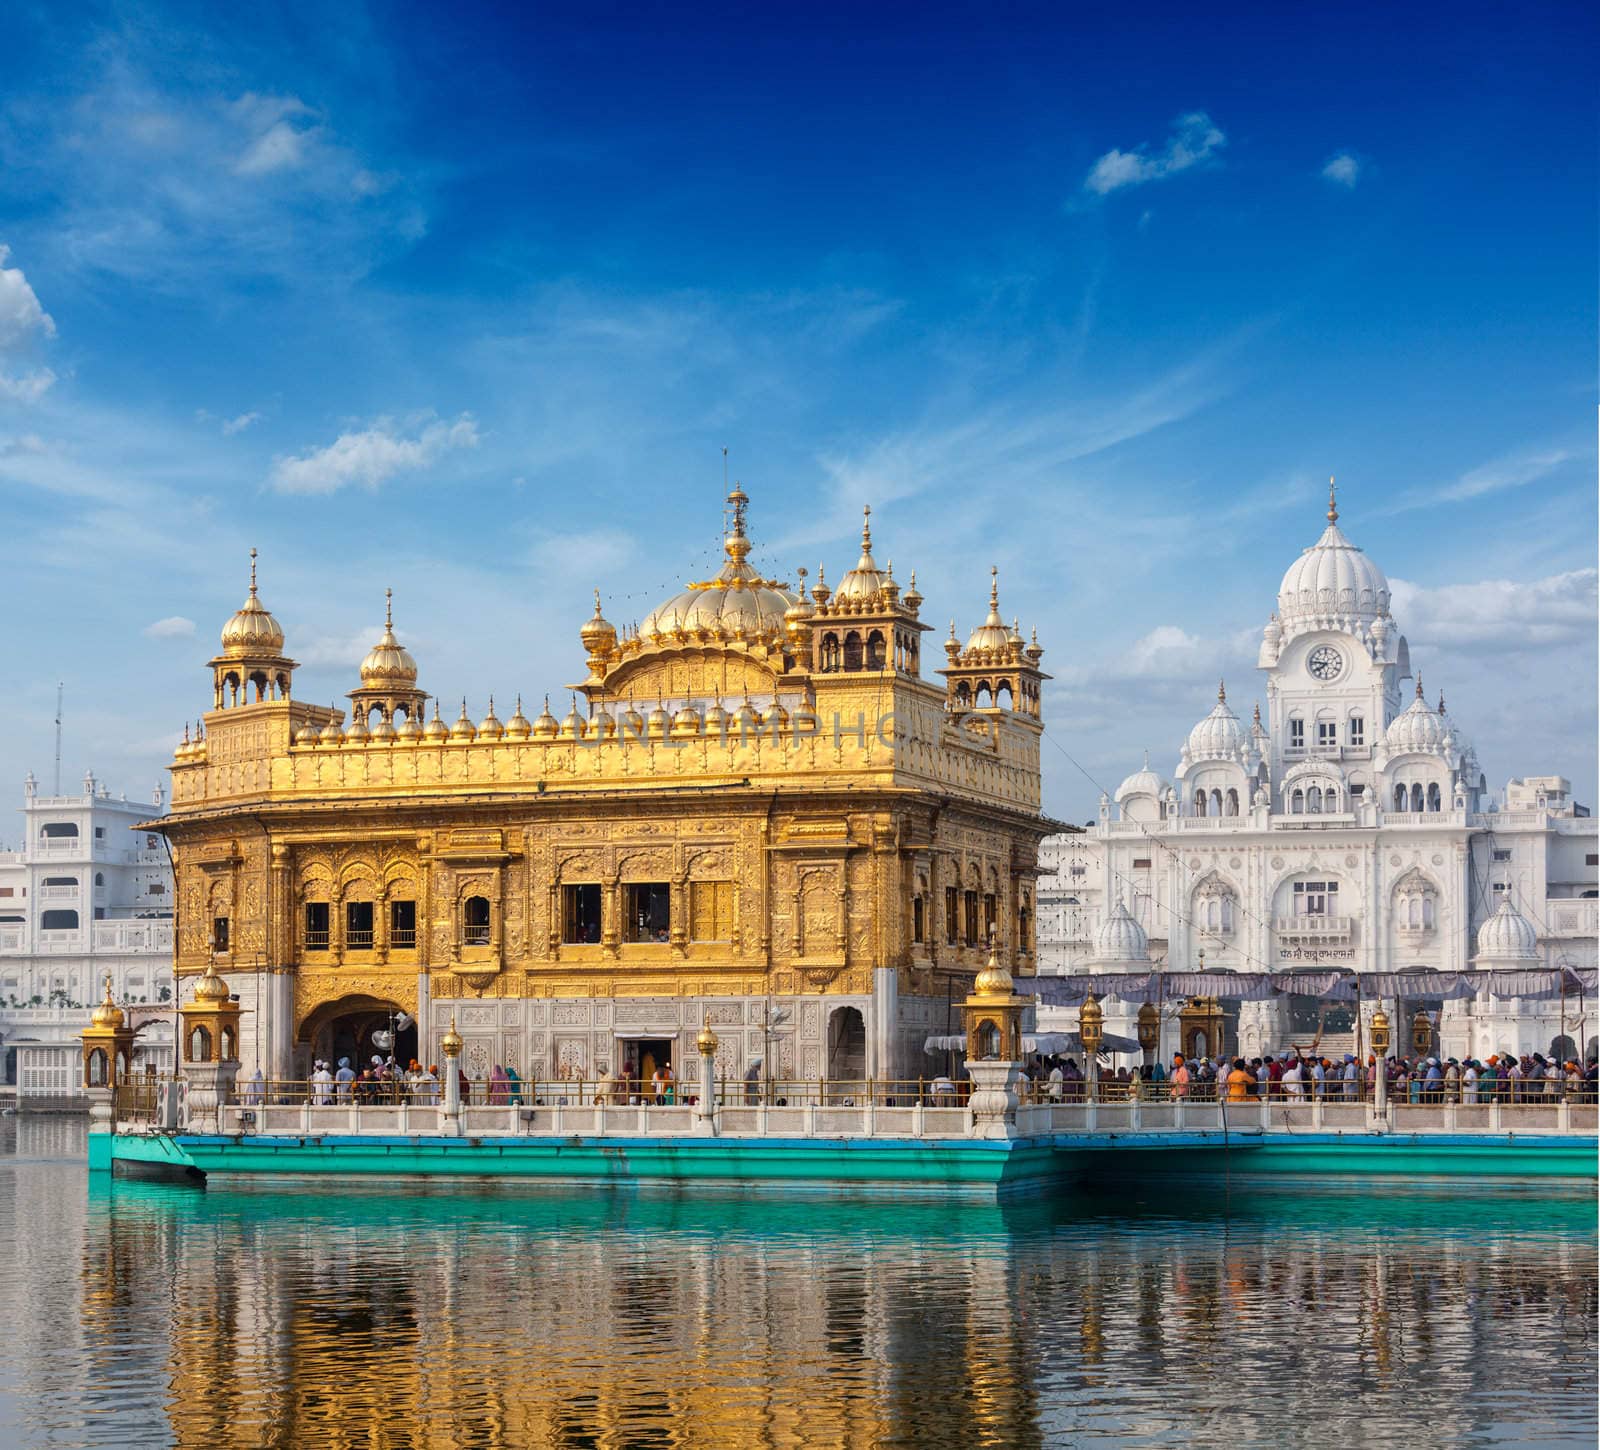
[{"x": 760, "y": 816}]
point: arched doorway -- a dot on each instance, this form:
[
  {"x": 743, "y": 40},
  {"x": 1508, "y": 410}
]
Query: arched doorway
[
  {"x": 1563, "y": 1048},
  {"x": 847, "y": 1044},
  {"x": 353, "y": 1027}
]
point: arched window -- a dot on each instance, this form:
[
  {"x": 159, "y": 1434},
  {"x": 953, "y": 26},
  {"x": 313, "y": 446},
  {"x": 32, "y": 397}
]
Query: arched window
[
  {"x": 58, "y": 830},
  {"x": 1433, "y": 796},
  {"x": 1297, "y": 803},
  {"x": 1399, "y": 797},
  {"x": 1216, "y": 802},
  {"x": 1358, "y": 730},
  {"x": 99, "y": 878},
  {"x": 475, "y": 921},
  {"x": 830, "y": 652},
  {"x": 1416, "y": 798},
  {"x": 1233, "y": 802},
  {"x": 200, "y": 1044},
  {"x": 1297, "y": 733},
  {"x": 988, "y": 1035},
  {"x": 1314, "y": 801},
  {"x": 852, "y": 651},
  {"x": 59, "y": 920},
  {"x": 875, "y": 650},
  {"x": 1199, "y": 802}
]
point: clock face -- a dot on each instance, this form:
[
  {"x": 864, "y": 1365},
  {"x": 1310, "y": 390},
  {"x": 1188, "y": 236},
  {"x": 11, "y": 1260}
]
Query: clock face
[{"x": 1325, "y": 662}]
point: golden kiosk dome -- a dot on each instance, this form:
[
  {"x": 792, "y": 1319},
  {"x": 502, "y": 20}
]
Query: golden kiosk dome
[
  {"x": 211, "y": 988},
  {"x": 388, "y": 662},
  {"x": 107, "y": 1014},
  {"x": 598, "y": 634},
  {"x": 994, "y": 980},
  {"x": 737, "y": 604},
  {"x": 252, "y": 630},
  {"x": 866, "y": 580},
  {"x": 992, "y": 635}
]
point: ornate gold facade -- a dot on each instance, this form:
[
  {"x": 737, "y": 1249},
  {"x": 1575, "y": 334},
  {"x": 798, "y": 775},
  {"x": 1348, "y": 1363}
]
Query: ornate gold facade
[{"x": 758, "y": 801}]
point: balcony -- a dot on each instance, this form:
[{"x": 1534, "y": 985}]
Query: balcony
[
  {"x": 60, "y": 942},
  {"x": 13, "y": 938},
  {"x": 133, "y": 936},
  {"x": 63, "y": 846},
  {"x": 1572, "y": 916},
  {"x": 1313, "y": 928},
  {"x": 59, "y": 893}
]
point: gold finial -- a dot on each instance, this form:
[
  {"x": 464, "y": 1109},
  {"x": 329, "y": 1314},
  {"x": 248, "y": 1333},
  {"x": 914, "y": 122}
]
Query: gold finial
[
  {"x": 450, "y": 1043},
  {"x": 1441, "y": 702},
  {"x": 252, "y": 572},
  {"x": 1222, "y": 692},
  {"x": 1419, "y": 684},
  {"x": 994, "y": 586},
  {"x": 866, "y": 528},
  {"x": 1333, "y": 502},
  {"x": 1258, "y": 712},
  {"x": 388, "y": 609}
]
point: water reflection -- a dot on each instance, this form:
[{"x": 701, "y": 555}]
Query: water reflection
[{"x": 341, "y": 1317}]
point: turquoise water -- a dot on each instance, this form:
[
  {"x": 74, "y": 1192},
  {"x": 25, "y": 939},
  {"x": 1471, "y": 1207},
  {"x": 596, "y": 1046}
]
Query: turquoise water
[{"x": 1313, "y": 1315}]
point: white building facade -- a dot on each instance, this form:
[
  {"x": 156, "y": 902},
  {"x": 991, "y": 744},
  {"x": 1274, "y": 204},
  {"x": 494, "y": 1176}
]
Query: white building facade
[
  {"x": 84, "y": 896},
  {"x": 1348, "y": 828}
]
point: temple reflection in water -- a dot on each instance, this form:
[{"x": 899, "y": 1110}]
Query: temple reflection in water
[{"x": 455, "y": 1318}]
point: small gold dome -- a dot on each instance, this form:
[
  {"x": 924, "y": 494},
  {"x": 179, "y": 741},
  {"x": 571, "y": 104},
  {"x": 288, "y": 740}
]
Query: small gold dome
[
  {"x": 307, "y": 734},
  {"x": 632, "y": 720},
  {"x": 545, "y": 727},
  {"x": 865, "y": 580},
  {"x": 383, "y": 730},
  {"x": 747, "y": 717},
  {"x": 597, "y": 634},
  {"x": 572, "y": 727},
  {"x": 992, "y": 635},
  {"x": 388, "y": 663},
  {"x": 107, "y": 1014},
  {"x": 332, "y": 733},
  {"x": 463, "y": 729},
  {"x": 490, "y": 728},
  {"x": 252, "y": 630},
  {"x": 408, "y": 730},
  {"x": 658, "y": 720},
  {"x": 604, "y": 724},
  {"x": 706, "y": 1040},
  {"x": 686, "y": 721},
  {"x": 911, "y": 599},
  {"x": 357, "y": 733},
  {"x": 994, "y": 980},
  {"x": 716, "y": 718},
  {"x": 518, "y": 727},
  {"x": 211, "y": 989},
  {"x": 450, "y": 1043},
  {"x": 435, "y": 730}
]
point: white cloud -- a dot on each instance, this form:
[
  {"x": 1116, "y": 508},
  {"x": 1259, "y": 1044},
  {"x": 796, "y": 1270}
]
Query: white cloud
[
  {"x": 372, "y": 456},
  {"x": 21, "y": 315},
  {"x": 280, "y": 147},
  {"x": 231, "y": 426},
  {"x": 1512, "y": 470},
  {"x": 26, "y": 445},
  {"x": 1343, "y": 170},
  {"x": 1499, "y": 614},
  {"x": 338, "y": 650},
  {"x": 27, "y": 387},
  {"x": 174, "y": 626},
  {"x": 1195, "y": 139}
]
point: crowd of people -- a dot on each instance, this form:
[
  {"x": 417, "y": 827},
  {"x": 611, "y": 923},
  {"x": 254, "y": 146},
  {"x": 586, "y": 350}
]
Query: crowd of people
[{"x": 1299, "y": 1076}]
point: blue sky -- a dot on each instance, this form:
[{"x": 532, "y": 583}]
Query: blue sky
[{"x": 468, "y": 304}]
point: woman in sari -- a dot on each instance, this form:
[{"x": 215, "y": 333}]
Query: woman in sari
[{"x": 499, "y": 1085}]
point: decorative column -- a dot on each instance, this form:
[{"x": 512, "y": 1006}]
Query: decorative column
[
  {"x": 705, "y": 1118},
  {"x": 210, "y": 1050},
  {"x": 450, "y": 1046},
  {"x": 1091, "y": 1032},
  {"x": 1149, "y": 1033},
  {"x": 993, "y": 1018},
  {"x": 1378, "y": 1036}
]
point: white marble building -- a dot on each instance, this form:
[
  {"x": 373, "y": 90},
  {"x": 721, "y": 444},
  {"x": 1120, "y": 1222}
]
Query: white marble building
[
  {"x": 1347, "y": 826},
  {"x": 83, "y": 896}
]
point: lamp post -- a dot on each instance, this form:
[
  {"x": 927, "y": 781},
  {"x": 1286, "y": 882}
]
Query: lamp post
[
  {"x": 1149, "y": 1033},
  {"x": 1090, "y": 1034},
  {"x": 707, "y": 1044},
  {"x": 1422, "y": 1032},
  {"x": 450, "y": 1046},
  {"x": 1378, "y": 1035}
]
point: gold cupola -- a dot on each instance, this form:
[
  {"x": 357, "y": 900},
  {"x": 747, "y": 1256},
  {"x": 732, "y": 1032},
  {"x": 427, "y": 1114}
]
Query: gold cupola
[
  {"x": 546, "y": 726},
  {"x": 864, "y": 581},
  {"x": 598, "y": 635},
  {"x": 991, "y": 636},
  {"x": 252, "y": 668},
  {"x": 107, "y": 1015},
  {"x": 518, "y": 727},
  {"x": 388, "y": 683}
]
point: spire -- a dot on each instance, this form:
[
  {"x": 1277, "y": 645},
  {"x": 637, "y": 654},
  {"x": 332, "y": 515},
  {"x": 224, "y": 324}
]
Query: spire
[
  {"x": 866, "y": 528},
  {"x": 1258, "y": 714},
  {"x": 252, "y": 573},
  {"x": 1222, "y": 692},
  {"x": 994, "y": 589},
  {"x": 1441, "y": 702},
  {"x": 1333, "y": 502},
  {"x": 1419, "y": 684},
  {"x": 388, "y": 609},
  {"x": 736, "y": 544}
]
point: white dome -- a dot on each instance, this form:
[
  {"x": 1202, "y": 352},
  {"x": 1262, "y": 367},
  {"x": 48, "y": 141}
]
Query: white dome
[
  {"x": 1508, "y": 934},
  {"x": 1219, "y": 736},
  {"x": 1417, "y": 730},
  {"x": 1333, "y": 580},
  {"x": 1120, "y": 938},
  {"x": 1142, "y": 782}
]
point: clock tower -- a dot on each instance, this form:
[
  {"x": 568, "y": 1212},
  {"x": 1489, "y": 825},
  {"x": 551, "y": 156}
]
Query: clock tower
[{"x": 1334, "y": 660}]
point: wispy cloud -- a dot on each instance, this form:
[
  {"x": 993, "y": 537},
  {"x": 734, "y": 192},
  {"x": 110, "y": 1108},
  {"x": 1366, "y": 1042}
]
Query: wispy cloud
[
  {"x": 1195, "y": 139},
  {"x": 230, "y": 426},
  {"x": 1499, "y": 475},
  {"x": 371, "y": 456},
  {"x": 1343, "y": 170},
  {"x": 1499, "y": 614},
  {"x": 23, "y": 322},
  {"x": 174, "y": 626}
]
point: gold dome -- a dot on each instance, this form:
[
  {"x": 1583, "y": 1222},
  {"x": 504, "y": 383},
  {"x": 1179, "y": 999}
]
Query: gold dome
[
  {"x": 992, "y": 634},
  {"x": 383, "y": 730},
  {"x": 357, "y": 733},
  {"x": 632, "y": 720},
  {"x": 332, "y": 732},
  {"x": 463, "y": 729},
  {"x": 994, "y": 980},
  {"x": 706, "y": 1040},
  {"x": 490, "y": 728},
  {"x": 598, "y": 635},
  {"x": 572, "y": 723},
  {"x": 252, "y": 630},
  {"x": 450, "y": 1043},
  {"x": 737, "y": 604},
  {"x": 408, "y": 729},
  {"x": 435, "y": 729},
  {"x": 686, "y": 721},
  {"x": 211, "y": 988},
  {"x": 798, "y": 616},
  {"x": 865, "y": 580},
  {"x": 518, "y": 727},
  {"x": 545, "y": 727},
  {"x": 107, "y": 1014},
  {"x": 307, "y": 734},
  {"x": 388, "y": 663}
]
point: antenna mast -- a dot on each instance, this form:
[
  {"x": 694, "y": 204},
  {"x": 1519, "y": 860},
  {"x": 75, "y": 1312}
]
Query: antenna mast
[{"x": 58, "y": 737}]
